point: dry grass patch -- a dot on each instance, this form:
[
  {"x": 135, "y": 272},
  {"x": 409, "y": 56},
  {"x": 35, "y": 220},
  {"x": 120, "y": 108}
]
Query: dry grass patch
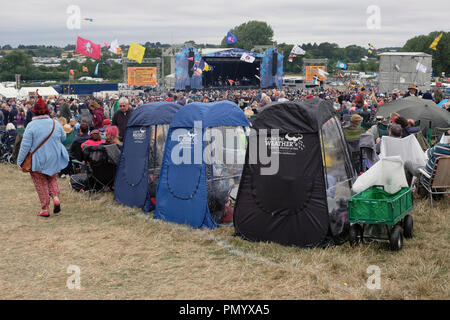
[{"x": 124, "y": 254}]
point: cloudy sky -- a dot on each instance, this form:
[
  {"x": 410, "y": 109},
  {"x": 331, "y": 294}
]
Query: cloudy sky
[{"x": 175, "y": 21}]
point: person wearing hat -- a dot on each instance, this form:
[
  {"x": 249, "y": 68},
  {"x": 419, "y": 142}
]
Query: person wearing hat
[
  {"x": 70, "y": 136},
  {"x": 95, "y": 139},
  {"x": 412, "y": 91},
  {"x": 48, "y": 160},
  {"x": 353, "y": 131},
  {"x": 106, "y": 123}
]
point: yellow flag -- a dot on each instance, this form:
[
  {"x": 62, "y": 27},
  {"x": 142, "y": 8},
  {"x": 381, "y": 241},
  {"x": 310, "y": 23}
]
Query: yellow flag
[
  {"x": 435, "y": 42},
  {"x": 136, "y": 52},
  {"x": 206, "y": 67}
]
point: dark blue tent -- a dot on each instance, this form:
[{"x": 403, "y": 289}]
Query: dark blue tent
[
  {"x": 141, "y": 157},
  {"x": 184, "y": 188}
]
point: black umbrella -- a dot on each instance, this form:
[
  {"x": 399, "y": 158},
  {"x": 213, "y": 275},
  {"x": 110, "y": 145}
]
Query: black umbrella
[{"x": 418, "y": 109}]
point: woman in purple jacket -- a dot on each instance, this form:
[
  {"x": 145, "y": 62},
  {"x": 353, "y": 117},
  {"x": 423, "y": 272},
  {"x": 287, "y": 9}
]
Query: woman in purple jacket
[{"x": 97, "y": 115}]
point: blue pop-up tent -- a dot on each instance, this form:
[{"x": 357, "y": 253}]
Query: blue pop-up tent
[
  {"x": 192, "y": 184},
  {"x": 141, "y": 157}
]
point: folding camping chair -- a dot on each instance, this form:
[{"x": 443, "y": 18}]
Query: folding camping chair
[
  {"x": 439, "y": 180},
  {"x": 100, "y": 169},
  {"x": 422, "y": 140},
  {"x": 355, "y": 154}
]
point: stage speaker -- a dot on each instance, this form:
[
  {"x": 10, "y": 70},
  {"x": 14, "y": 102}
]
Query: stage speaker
[
  {"x": 191, "y": 63},
  {"x": 274, "y": 63}
]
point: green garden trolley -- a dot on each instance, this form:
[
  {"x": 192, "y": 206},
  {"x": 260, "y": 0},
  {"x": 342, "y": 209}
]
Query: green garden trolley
[{"x": 374, "y": 206}]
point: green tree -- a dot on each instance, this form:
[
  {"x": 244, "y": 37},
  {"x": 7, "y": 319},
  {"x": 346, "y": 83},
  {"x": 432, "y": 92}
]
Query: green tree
[
  {"x": 422, "y": 43},
  {"x": 16, "y": 62},
  {"x": 250, "y": 34}
]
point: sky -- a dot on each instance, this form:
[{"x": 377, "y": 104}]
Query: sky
[{"x": 175, "y": 21}]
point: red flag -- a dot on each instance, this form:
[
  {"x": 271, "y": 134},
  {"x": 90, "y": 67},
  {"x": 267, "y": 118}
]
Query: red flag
[
  {"x": 72, "y": 72},
  {"x": 191, "y": 59},
  {"x": 88, "y": 48}
]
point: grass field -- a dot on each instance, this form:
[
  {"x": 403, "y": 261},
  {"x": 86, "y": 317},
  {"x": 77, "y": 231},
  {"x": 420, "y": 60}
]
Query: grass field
[{"x": 123, "y": 254}]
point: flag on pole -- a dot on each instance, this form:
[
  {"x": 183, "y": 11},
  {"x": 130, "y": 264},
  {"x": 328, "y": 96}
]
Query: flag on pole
[
  {"x": 341, "y": 65},
  {"x": 88, "y": 48},
  {"x": 435, "y": 42},
  {"x": 322, "y": 72},
  {"x": 136, "y": 52},
  {"x": 296, "y": 50},
  {"x": 231, "y": 38},
  {"x": 420, "y": 67},
  {"x": 247, "y": 58},
  {"x": 96, "y": 68},
  {"x": 85, "y": 69},
  {"x": 114, "y": 48},
  {"x": 207, "y": 67}
]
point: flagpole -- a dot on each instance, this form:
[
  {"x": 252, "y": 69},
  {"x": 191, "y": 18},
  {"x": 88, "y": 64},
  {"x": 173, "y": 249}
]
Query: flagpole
[{"x": 68, "y": 87}]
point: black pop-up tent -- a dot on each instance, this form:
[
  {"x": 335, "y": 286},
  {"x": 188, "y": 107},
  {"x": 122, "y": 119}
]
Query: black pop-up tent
[{"x": 304, "y": 202}]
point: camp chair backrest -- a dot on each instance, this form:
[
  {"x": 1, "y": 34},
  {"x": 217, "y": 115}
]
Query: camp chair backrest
[
  {"x": 355, "y": 153},
  {"x": 421, "y": 139},
  {"x": 442, "y": 176}
]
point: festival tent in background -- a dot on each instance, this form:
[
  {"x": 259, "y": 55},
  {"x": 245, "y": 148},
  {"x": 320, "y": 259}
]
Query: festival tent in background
[
  {"x": 195, "y": 190},
  {"x": 142, "y": 152}
]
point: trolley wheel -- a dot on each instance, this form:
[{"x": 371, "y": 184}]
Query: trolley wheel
[
  {"x": 408, "y": 226},
  {"x": 355, "y": 235},
  {"x": 396, "y": 238}
]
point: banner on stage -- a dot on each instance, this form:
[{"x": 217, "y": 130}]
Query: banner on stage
[{"x": 142, "y": 76}]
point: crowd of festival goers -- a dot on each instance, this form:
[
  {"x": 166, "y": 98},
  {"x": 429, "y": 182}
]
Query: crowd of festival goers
[{"x": 90, "y": 121}]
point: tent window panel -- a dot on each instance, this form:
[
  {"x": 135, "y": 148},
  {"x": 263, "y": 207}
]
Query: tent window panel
[
  {"x": 334, "y": 161},
  {"x": 158, "y": 137},
  {"x": 225, "y": 149}
]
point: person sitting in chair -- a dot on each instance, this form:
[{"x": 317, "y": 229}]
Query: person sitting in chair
[
  {"x": 94, "y": 139},
  {"x": 395, "y": 130},
  {"x": 353, "y": 131}
]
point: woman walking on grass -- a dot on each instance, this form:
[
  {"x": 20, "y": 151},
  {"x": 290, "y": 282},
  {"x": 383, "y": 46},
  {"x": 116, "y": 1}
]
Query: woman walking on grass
[{"x": 48, "y": 160}]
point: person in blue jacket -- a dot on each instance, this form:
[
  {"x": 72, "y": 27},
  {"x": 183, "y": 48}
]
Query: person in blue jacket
[{"x": 48, "y": 160}]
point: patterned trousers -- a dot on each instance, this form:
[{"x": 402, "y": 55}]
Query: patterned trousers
[{"x": 46, "y": 187}]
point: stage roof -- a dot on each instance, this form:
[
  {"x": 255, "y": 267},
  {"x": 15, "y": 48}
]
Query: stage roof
[{"x": 230, "y": 53}]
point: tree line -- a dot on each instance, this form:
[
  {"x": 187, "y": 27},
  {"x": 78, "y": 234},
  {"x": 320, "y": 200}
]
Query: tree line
[{"x": 249, "y": 34}]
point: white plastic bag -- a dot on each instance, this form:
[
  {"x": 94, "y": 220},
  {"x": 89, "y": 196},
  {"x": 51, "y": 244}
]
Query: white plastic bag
[
  {"x": 408, "y": 148},
  {"x": 387, "y": 172}
]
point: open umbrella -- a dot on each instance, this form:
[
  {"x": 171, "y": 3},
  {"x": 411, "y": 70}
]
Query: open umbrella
[{"x": 416, "y": 108}]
